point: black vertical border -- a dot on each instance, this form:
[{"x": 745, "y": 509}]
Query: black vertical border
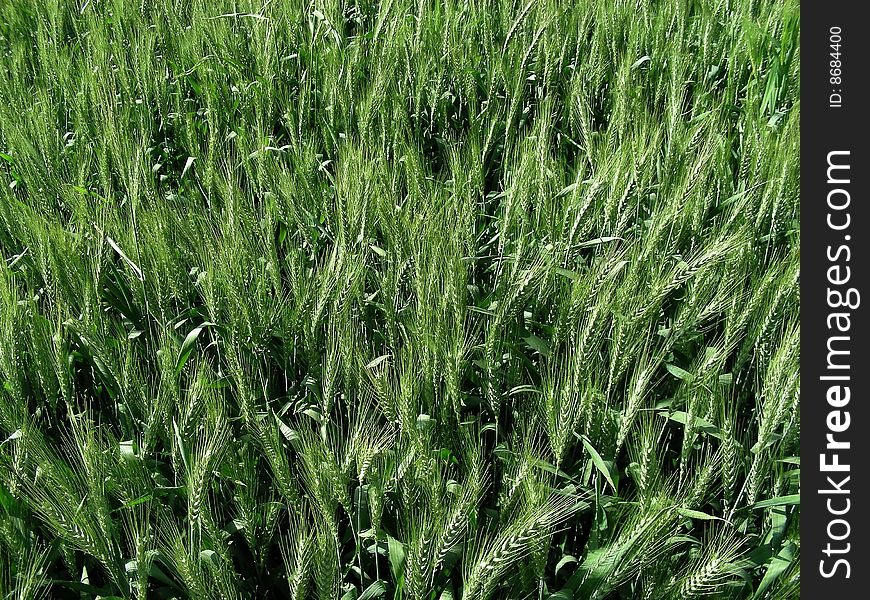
[{"x": 825, "y": 129}]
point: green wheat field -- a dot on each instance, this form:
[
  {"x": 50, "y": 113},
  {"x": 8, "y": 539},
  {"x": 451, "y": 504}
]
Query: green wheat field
[{"x": 427, "y": 300}]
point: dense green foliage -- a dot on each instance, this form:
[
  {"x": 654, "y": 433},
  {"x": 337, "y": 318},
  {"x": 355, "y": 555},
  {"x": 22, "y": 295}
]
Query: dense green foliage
[{"x": 429, "y": 300}]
